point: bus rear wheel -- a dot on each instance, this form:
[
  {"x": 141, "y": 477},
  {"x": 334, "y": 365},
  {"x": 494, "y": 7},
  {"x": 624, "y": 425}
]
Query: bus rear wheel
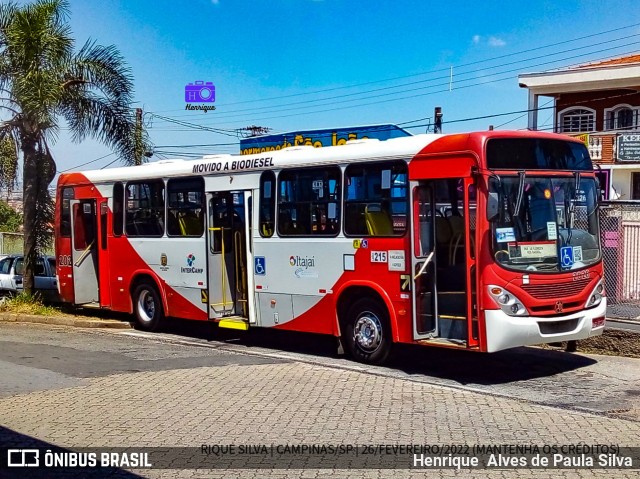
[
  {"x": 368, "y": 335},
  {"x": 147, "y": 307}
]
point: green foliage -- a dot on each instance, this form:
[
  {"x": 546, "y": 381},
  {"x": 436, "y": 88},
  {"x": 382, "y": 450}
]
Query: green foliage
[
  {"x": 10, "y": 219},
  {"x": 24, "y": 303},
  {"x": 43, "y": 80},
  {"x": 8, "y": 161}
]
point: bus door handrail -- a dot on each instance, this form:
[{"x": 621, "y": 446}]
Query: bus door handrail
[
  {"x": 241, "y": 283},
  {"x": 424, "y": 265},
  {"x": 222, "y": 269},
  {"x": 84, "y": 254}
]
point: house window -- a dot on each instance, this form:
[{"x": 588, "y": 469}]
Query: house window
[
  {"x": 621, "y": 117},
  {"x": 576, "y": 120}
]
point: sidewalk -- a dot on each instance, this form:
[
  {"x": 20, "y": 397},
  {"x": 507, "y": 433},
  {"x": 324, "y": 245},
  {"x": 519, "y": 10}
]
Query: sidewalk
[{"x": 62, "y": 320}]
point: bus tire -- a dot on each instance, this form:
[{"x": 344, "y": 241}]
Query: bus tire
[
  {"x": 147, "y": 307},
  {"x": 368, "y": 335}
]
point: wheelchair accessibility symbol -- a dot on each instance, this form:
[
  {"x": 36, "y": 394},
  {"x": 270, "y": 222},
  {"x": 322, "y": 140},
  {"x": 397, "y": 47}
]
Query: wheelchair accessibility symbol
[
  {"x": 259, "y": 265},
  {"x": 566, "y": 256}
]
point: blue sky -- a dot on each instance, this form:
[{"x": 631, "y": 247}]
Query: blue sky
[{"x": 304, "y": 64}]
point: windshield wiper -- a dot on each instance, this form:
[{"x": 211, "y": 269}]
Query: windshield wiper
[
  {"x": 572, "y": 205},
  {"x": 521, "y": 177}
]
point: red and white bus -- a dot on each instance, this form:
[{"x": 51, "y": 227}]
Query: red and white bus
[{"x": 482, "y": 241}]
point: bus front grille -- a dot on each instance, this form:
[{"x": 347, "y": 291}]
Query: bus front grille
[{"x": 556, "y": 290}]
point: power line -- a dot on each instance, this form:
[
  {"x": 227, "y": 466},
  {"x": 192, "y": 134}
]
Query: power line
[
  {"x": 88, "y": 162},
  {"x": 497, "y": 115},
  {"x": 521, "y": 116},
  {"x": 293, "y": 95},
  {"x": 445, "y": 77},
  {"x": 193, "y": 125},
  {"x": 162, "y": 153},
  {"x": 196, "y": 146},
  {"x": 443, "y": 90}
]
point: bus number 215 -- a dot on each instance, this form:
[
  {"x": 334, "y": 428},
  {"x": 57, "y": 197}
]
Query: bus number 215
[{"x": 378, "y": 256}]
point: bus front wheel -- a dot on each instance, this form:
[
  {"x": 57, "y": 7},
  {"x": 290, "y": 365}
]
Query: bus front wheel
[
  {"x": 368, "y": 335},
  {"x": 147, "y": 307}
]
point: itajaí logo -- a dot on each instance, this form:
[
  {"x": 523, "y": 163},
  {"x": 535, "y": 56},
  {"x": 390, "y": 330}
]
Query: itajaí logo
[
  {"x": 191, "y": 260},
  {"x": 302, "y": 262}
]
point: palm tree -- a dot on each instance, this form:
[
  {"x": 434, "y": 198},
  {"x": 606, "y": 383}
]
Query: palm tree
[{"x": 43, "y": 81}]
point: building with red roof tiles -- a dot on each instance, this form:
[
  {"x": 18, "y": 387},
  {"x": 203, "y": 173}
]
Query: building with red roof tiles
[{"x": 600, "y": 102}]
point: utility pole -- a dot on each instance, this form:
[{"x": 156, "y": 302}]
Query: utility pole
[
  {"x": 437, "y": 120},
  {"x": 138, "y": 138}
]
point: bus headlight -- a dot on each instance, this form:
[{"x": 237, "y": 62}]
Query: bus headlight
[
  {"x": 596, "y": 295},
  {"x": 507, "y": 302}
]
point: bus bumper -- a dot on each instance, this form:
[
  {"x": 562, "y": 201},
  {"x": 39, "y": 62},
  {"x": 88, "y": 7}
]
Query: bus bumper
[{"x": 504, "y": 331}]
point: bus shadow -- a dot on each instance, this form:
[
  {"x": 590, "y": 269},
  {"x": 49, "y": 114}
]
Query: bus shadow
[
  {"x": 463, "y": 367},
  {"x": 469, "y": 367}
]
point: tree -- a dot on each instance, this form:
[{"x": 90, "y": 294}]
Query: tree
[
  {"x": 10, "y": 219},
  {"x": 43, "y": 81}
]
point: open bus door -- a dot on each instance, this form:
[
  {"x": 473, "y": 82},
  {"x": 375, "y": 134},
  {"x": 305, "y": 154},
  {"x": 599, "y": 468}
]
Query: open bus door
[
  {"x": 443, "y": 262},
  {"x": 229, "y": 253},
  {"x": 84, "y": 251}
]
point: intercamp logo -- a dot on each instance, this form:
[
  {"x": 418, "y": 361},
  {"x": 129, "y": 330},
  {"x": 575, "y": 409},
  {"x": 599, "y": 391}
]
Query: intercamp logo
[
  {"x": 191, "y": 261},
  {"x": 23, "y": 458}
]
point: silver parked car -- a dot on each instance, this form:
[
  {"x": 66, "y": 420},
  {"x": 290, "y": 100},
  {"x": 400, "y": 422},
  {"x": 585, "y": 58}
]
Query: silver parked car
[{"x": 12, "y": 267}]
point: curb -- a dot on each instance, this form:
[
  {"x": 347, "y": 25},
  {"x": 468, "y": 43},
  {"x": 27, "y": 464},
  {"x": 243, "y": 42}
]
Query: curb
[{"x": 65, "y": 321}]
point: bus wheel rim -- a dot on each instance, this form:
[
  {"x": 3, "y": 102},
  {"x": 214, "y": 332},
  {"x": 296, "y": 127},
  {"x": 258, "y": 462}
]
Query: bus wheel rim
[
  {"x": 367, "y": 332},
  {"x": 146, "y": 306}
]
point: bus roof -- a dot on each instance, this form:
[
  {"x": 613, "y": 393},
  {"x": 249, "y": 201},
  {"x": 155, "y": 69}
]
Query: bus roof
[{"x": 354, "y": 151}]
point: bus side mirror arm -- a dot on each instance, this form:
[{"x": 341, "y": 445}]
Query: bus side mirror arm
[{"x": 493, "y": 205}]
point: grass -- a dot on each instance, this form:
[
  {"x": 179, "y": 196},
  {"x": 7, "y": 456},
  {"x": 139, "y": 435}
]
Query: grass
[{"x": 27, "y": 304}]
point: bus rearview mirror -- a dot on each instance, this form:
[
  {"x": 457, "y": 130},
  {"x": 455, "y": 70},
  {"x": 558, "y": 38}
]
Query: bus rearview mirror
[{"x": 493, "y": 204}]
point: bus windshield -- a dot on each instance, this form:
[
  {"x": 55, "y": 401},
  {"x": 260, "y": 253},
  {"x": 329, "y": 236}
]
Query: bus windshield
[{"x": 543, "y": 223}]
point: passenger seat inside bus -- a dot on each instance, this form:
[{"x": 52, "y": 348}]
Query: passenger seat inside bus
[
  {"x": 378, "y": 220},
  {"x": 190, "y": 224}
]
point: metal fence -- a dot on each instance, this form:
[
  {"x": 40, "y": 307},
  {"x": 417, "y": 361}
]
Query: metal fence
[
  {"x": 11, "y": 243},
  {"x": 620, "y": 235}
]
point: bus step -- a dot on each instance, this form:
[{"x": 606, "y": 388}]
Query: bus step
[
  {"x": 447, "y": 343},
  {"x": 236, "y": 322}
]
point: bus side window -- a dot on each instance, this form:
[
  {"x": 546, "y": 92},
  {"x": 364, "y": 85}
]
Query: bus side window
[
  {"x": 267, "y": 204},
  {"x": 376, "y": 199},
  {"x": 65, "y": 213},
  {"x": 145, "y": 208},
  {"x": 185, "y": 210},
  {"x": 118, "y": 213},
  {"x": 309, "y": 202}
]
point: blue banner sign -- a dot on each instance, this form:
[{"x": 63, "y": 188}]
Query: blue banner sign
[{"x": 319, "y": 138}]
